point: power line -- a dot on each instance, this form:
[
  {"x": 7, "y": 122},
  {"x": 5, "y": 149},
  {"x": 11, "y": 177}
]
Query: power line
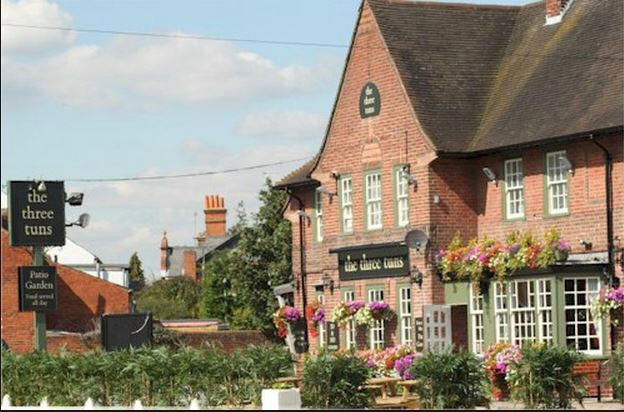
[
  {"x": 276, "y": 42},
  {"x": 177, "y": 36},
  {"x": 177, "y": 176}
]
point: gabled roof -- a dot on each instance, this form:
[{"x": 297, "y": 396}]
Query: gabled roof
[
  {"x": 300, "y": 176},
  {"x": 482, "y": 78}
]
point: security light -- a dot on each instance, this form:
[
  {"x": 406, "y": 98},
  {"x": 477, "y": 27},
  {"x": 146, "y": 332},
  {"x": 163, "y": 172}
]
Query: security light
[
  {"x": 566, "y": 164},
  {"x": 411, "y": 180},
  {"x": 324, "y": 191},
  {"x": 39, "y": 186},
  {"x": 489, "y": 173},
  {"x": 83, "y": 221},
  {"x": 303, "y": 214},
  {"x": 335, "y": 174},
  {"x": 74, "y": 199}
]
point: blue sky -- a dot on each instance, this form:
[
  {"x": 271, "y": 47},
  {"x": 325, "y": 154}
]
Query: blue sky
[{"x": 82, "y": 105}]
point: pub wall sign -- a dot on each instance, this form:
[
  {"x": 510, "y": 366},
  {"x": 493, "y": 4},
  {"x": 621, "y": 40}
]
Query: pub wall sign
[
  {"x": 37, "y": 288},
  {"x": 373, "y": 262},
  {"x": 370, "y": 102},
  {"x": 36, "y": 217}
]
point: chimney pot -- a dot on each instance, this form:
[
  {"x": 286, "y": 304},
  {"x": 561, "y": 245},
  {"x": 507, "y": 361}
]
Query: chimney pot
[{"x": 215, "y": 216}]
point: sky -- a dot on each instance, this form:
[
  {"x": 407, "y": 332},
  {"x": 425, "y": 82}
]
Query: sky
[{"x": 80, "y": 105}]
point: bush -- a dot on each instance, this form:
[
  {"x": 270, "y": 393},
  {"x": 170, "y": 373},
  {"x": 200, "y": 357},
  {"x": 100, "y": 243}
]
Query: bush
[
  {"x": 333, "y": 381},
  {"x": 544, "y": 377},
  {"x": 158, "y": 377},
  {"x": 616, "y": 378},
  {"x": 448, "y": 380},
  {"x": 176, "y": 298}
]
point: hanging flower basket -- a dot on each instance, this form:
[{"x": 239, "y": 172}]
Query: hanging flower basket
[
  {"x": 607, "y": 304},
  {"x": 285, "y": 315},
  {"x": 345, "y": 311},
  {"x": 380, "y": 310},
  {"x": 479, "y": 259},
  {"x": 315, "y": 314}
]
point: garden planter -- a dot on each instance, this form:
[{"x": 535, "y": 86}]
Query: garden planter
[
  {"x": 500, "y": 390},
  {"x": 281, "y": 399},
  {"x": 561, "y": 255}
]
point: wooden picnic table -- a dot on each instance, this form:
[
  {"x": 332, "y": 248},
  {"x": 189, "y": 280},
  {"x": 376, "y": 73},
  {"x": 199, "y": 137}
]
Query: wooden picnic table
[
  {"x": 406, "y": 384},
  {"x": 296, "y": 381},
  {"x": 386, "y": 384}
]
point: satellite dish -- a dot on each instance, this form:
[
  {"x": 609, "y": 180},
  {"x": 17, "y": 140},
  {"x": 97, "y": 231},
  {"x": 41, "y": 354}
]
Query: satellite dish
[{"x": 416, "y": 239}]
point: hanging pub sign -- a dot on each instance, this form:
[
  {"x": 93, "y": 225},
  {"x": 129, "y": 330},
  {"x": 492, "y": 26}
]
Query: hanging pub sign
[
  {"x": 36, "y": 213},
  {"x": 372, "y": 261},
  {"x": 333, "y": 336},
  {"x": 37, "y": 288},
  {"x": 370, "y": 102},
  {"x": 419, "y": 337}
]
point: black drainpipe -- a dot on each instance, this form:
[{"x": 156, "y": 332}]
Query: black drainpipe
[
  {"x": 609, "y": 189},
  {"x": 302, "y": 262}
]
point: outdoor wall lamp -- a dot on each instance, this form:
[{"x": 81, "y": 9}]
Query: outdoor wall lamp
[
  {"x": 328, "y": 282},
  {"x": 489, "y": 173},
  {"x": 411, "y": 180},
  {"x": 416, "y": 277},
  {"x": 83, "y": 221}
]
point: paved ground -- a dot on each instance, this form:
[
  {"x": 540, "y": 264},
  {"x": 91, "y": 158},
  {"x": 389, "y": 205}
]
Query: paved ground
[{"x": 588, "y": 404}]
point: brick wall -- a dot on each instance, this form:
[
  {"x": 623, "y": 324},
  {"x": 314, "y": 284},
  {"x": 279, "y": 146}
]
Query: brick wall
[
  {"x": 229, "y": 340},
  {"x": 81, "y": 298},
  {"x": 468, "y": 202},
  {"x": 71, "y": 342}
]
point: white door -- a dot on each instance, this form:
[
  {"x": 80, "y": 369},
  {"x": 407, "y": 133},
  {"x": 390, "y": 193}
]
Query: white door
[{"x": 437, "y": 327}]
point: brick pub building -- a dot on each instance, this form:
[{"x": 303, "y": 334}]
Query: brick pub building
[{"x": 443, "y": 91}]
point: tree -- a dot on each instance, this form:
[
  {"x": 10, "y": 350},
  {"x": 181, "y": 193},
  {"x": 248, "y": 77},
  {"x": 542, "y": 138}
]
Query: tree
[
  {"x": 137, "y": 277},
  {"x": 177, "y": 298},
  {"x": 219, "y": 300},
  {"x": 261, "y": 260}
]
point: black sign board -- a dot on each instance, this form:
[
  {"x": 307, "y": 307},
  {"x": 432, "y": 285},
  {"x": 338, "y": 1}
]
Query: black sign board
[
  {"x": 37, "y": 288},
  {"x": 419, "y": 334},
  {"x": 333, "y": 336},
  {"x": 373, "y": 262},
  {"x": 120, "y": 331},
  {"x": 370, "y": 102},
  {"x": 36, "y": 217},
  {"x": 299, "y": 332}
]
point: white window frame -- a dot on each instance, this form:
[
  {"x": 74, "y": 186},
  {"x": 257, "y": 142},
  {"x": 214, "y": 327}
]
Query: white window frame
[
  {"x": 373, "y": 201},
  {"x": 377, "y": 331},
  {"x": 501, "y": 311},
  {"x": 476, "y": 322},
  {"x": 318, "y": 210},
  {"x": 556, "y": 183},
  {"x": 405, "y": 308},
  {"x": 514, "y": 189},
  {"x": 545, "y": 326},
  {"x": 402, "y": 197},
  {"x": 523, "y": 318},
  {"x": 350, "y": 339},
  {"x": 346, "y": 203},
  {"x": 590, "y": 295}
]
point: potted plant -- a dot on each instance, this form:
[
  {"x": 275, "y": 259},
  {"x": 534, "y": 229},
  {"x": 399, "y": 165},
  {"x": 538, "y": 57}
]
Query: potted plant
[
  {"x": 285, "y": 315},
  {"x": 562, "y": 250},
  {"x": 498, "y": 358}
]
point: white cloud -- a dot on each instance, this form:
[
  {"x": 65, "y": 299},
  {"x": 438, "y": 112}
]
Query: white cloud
[
  {"x": 151, "y": 72},
  {"x": 131, "y": 216},
  {"x": 286, "y": 124},
  {"x": 35, "y": 13}
]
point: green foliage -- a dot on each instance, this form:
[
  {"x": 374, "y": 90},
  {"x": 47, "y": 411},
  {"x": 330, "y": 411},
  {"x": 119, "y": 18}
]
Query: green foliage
[
  {"x": 171, "y": 298},
  {"x": 448, "y": 380},
  {"x": 544, "y": 377},
  {"x": 238, "y": 284},
  {"x": 332, "y": 381},
  {"x": 137, "y": 277},
  {"x": 616, "y": 378},
  {"x": 218, "y": 300},
  {"x": 158, "y": 377}
]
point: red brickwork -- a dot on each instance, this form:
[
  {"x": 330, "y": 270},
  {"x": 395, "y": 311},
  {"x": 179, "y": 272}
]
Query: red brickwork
[
  {"x": 228, "y": 340},
  {"x": 468, "y": 203},
  {"x": 190, "y": 265},
  {"x": 81, "y": 298},
  {"x": 71, "y": 342}
]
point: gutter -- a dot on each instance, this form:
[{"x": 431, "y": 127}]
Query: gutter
[
  {"x": 609, "y": 201},
  {"x": 302, "y": 263}
]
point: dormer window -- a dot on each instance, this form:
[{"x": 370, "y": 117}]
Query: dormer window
[{"x": 555, "y": 9}]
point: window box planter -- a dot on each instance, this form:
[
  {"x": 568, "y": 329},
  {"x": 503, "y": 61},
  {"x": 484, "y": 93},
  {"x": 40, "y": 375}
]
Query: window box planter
[
  {"x": 561, "y": 255},
  {"x": 281, "y": 399}
]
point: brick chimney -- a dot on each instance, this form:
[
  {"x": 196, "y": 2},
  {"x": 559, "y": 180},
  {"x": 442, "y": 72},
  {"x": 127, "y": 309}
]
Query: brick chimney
[
  {"x": 214, "y": 211},
  {"x": 555, "y": 10},
  {"x": 164, "y": 254},
  {"x": 189, "y": 268}
]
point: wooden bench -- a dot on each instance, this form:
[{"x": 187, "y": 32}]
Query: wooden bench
[{"x": 296, "y": 381}]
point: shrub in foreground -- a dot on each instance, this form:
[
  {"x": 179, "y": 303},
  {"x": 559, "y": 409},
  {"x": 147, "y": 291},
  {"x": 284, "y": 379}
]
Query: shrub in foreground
[
  {"x": 333, "y": 381},
  {"x": 544, "y": 377},
  {"x": 449, "y": 380},
  {"x": 158, "y": 377},
  {"x": 616, "y": 377}
]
